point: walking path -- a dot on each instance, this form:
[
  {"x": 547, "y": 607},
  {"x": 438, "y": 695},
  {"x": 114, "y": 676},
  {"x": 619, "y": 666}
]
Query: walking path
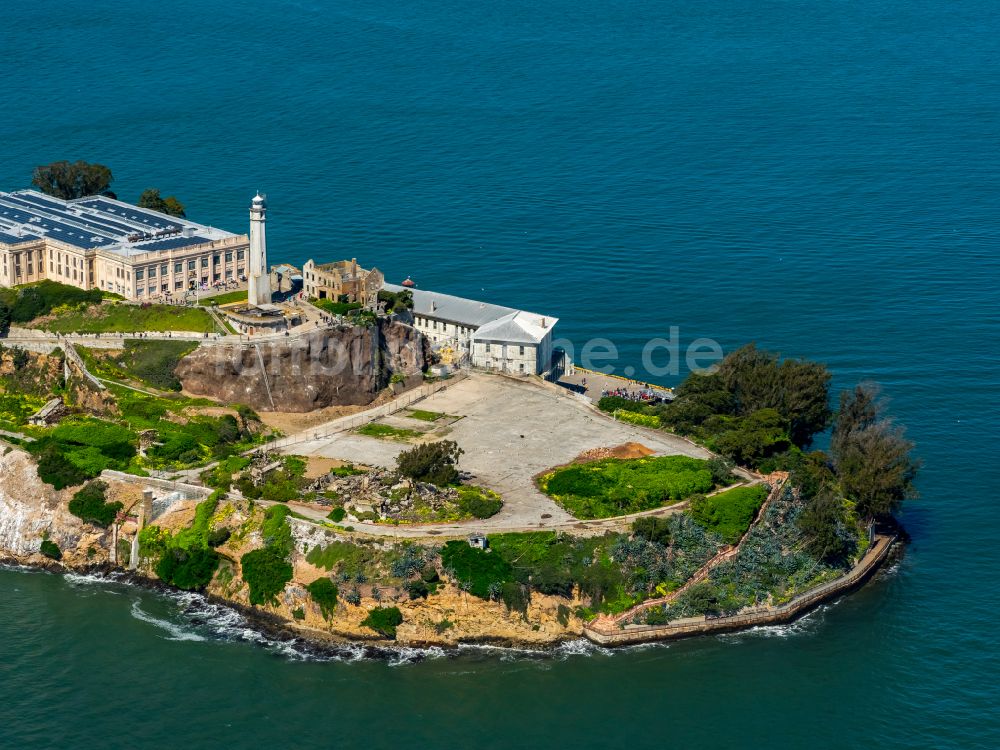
[{"x": 612, "y": 622}]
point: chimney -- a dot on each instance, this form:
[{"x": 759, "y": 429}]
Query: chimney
[
  {"x": 545, "y": 323},
  {"x": 434, "y": 305}
]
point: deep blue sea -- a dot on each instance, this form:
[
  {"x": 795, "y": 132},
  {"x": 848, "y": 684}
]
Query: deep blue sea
[{"x": 821, "y": 177}]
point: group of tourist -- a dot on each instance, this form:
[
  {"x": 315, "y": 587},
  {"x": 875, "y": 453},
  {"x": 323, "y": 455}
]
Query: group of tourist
[{"x": 646, "y": 394}]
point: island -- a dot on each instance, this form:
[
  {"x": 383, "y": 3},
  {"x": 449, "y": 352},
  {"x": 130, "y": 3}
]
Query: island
[{"x": 347, "y": 460}]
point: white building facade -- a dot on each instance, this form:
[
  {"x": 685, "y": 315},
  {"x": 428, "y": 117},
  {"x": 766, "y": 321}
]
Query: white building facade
[
  {"x": 484, "y": 335},
  {"x": 98, "y": 242}
]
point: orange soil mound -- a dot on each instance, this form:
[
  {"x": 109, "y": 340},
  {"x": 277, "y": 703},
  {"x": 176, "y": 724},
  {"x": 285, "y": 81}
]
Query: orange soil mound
[{"x": 625, "y": 450}]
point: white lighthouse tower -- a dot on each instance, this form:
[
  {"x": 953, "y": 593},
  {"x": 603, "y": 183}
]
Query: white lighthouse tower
[{"x": 259, "y": 289}]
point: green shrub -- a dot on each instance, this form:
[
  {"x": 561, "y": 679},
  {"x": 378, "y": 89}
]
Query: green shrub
[
  {"x": 730, "y": 513},
  {"x": 55, "y": 469},
  {"x": 266, "y": 571},
  {"x": 51, "y": 550},
  {"x": 39, "y": 299},
  {"x": 652, "y": 529},
  {"x": 188, "y": 569},
  {"x": 431, "y": 462},
  {"x": 299, "y": 613},
  {"x": 337, "y": 515},
  {"x": 324, "y": 592},
  {"x": 474, "y": 569},
  {"x": 612, "y": 487},
  {"x": 384, "y": 620},
  {"x": 88, "y": 504},
  {"x": 643, "y": 420},
  {"x": 478, "y": 502},
  {"x": 612, "y": 404}
]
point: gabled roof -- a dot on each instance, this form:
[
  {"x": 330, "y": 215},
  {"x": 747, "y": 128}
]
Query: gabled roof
[
  {"x": 466, "y": 312},
  {"x": 519, "y": 327}
]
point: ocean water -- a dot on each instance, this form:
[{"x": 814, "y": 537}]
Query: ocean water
[{"x": 819, "y": 176}]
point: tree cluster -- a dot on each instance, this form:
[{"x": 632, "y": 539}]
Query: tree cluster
[
  {"x": 434, "y": 463},
  {"x": 62, "y": 179},
  {"x": 152, "y": 200}
]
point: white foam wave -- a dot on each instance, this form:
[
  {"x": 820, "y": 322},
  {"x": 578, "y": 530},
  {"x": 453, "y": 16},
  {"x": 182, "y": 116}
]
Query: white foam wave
[{"x": 177, "y": 632}]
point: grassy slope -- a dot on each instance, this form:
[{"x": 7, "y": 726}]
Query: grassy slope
[{"x": 129, "y": 319}]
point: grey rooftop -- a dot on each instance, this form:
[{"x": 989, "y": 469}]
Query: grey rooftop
[{"x": 97, "y": 222}]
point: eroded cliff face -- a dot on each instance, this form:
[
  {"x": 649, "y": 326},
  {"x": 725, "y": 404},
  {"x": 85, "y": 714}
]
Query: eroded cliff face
[
  {"x": 341, "y": 366},
  {"x": 31, "y": 511}
]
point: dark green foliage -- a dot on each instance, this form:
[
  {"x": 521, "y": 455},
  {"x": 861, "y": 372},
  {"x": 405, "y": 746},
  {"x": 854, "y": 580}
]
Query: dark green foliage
[
  {"x": 384, "y": 620},
  {"x": 266, "y": 571},
  {"x": 56, "y": 469},
  {"x": 218, "y": 537},
  {"x": 748, "y": 440},
  {"x": 614, "y": 487},
  {"x": 152, "y": 200},
  {"x": 299, "y": 613},
  {"x": 34, "y": 300},
  {"x": 51, "y": 550},
  {"x": 324, "y": 592},
  {"x": 5, "y": 318},
  {"x": 188, "y": 569},
  {"x": 652, "y": 529},
  {"x": 89, "y": 504},
  {"x": 722, "y": 470},
  {"x": 829, "y": 537},
  {"x": 871, "y": 455},
  {"x": 754, "y": 407},
  {"x": 478, "y": 502},
  {"x": 396, "y": 301},
  {"x": 431, "y": 462},
  {"x": 337, "y": 515},
  {"x": 475, "y": 570},
  {"x": 515, "y": 596},
  {"x": 563, "y": 614},
  {"x": 66, "y": 180},
  {"x": 729, "y": 514}
]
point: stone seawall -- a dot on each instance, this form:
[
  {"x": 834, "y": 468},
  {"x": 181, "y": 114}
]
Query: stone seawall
[{"x": 692, "y": 626}]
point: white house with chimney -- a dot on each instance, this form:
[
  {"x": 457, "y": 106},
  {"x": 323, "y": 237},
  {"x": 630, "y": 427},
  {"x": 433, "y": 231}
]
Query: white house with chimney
[{"x": 490, "y": 336}]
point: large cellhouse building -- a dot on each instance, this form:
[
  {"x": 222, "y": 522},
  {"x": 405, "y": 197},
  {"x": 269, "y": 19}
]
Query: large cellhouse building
[{"x": 98, "y": 242}]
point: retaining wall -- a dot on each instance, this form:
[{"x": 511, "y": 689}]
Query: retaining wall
[{"x": 691, "y": 626}]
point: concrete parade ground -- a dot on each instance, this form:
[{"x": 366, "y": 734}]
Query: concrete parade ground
[{"x": 510, "y": 431}]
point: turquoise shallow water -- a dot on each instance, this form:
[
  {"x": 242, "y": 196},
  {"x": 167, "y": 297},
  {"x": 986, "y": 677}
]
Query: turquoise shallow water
[{"x": 821, "y": 177}]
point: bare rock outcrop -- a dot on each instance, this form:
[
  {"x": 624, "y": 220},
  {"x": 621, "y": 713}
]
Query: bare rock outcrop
[{"x": 347, "y": 365}]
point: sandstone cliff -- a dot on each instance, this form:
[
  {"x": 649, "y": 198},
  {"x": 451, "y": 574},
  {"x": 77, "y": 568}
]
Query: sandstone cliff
[
  {"x": 31, "y": 511},
  {"x": 333, "y": 367}
]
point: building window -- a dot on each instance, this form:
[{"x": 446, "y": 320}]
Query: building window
[
  {"x": 229, "y": 257},
  {"x": 215, "y": 260},
  {"x": 487, "y": 348},
  {"x": 178, "y": 267},
  {"x": 139, "y": 274},
  {"x": 190, "y": 265},
  {"x": 522, "y": 354},
  {"x": 204, "y": 262},
  {"x": 178, "y": 284},
  {"x": 163, "y": 270},
  {"x": 239, "y": 255},
  {"x": 152, "y": 272}
]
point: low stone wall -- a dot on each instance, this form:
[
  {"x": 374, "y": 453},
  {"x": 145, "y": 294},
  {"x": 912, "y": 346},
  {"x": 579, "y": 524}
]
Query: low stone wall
[
  {"x": 190, "y": 491},
  {"x": 801, "y": 604}
]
